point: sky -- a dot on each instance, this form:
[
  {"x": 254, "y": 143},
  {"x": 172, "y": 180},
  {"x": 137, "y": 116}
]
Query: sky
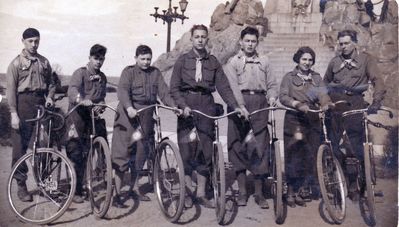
[{"x": 69, "y": 28}]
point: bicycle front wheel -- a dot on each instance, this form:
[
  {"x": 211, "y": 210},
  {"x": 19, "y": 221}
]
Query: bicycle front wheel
[
  {"x": 49, "y": 178},
  {"x": 99, "y": 177},
  {"x": 219, "y": 181},
  {"x": 277, "y": 184},
  {"x": 369, "y": 171},
  {"x": 169, "y": 184},
  {"x": 332, "y": 183}
]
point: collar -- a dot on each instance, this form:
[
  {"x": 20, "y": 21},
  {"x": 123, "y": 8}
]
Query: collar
[
  {"x": 354, "y": 57},
  {"x": 192, "y": 54},
  {"x": 27, "y": 56},
  {"x": 253, "y": 59},
  {"x": 297, "y": 72}
]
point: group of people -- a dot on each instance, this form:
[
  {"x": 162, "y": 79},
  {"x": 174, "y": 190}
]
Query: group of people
[{"x": 247, "y": 84}]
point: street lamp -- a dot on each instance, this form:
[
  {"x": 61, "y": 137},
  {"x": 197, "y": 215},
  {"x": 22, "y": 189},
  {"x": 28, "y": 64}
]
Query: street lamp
[{"x": 170, "y": 16}]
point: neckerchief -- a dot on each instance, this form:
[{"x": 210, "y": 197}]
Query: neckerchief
[{"x": 198, "y": 70}]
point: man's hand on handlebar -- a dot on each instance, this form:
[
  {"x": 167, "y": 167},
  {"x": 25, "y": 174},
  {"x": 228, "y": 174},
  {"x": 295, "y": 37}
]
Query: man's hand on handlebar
[
  {"x": 186, "y": 111},
  {"x": 86, "y": 102},
  {"x": 131, "y": 112},
  {"x": 242, "y": 112},
  {"x": 177, "y": 111},
  {"x": 49, "y": 102}
]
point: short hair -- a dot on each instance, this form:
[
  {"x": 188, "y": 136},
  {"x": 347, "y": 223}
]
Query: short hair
[
  {"x": 98, "y": 50},
  {"x": 30, "y": 32},
  {"x": 143, "y": 49},
  {"x": 198, "y": 27},
  {"x": 350, "y": 33},
  {"x": 249, "y": 31},
  {"x": 303, "y": 50}
]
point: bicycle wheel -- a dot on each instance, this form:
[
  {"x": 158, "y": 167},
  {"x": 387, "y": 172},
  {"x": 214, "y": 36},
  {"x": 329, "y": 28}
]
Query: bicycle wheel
[
  {"x": 169, "y": 185},
  {"x": 369, "y": 171},
  {"x": 219, "y": 181},
  {"x": 332, "y": 183},
  {"x": 99, "y": 177},
  {"x": 52, "y": 189},
  {"x": 277, "y": 184}
]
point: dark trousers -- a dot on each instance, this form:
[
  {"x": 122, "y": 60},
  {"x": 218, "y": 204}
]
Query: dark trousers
[
  {"x": 21, "y": 137},
  {"x": 351, "y": 124},
  {"x": 252, "y": 155},
  {"x": 127, "y": 153},
  {"x": 78, "y": 146},
  {"x": 197, "y": 155},
  {"x": 301, "y": 141}
]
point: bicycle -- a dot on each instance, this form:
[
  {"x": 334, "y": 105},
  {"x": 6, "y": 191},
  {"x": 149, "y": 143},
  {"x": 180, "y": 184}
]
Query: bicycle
[
  {"x": 165, "y": 169},
  {"x": 218, "y": 168},
  {"x": 278, "y": 185},
  {"x": 330, "y": 175},
  {"x": 366, "y": 174},
  {"x": 98, "y": 165},
  {"x": 49, "y": 175}
]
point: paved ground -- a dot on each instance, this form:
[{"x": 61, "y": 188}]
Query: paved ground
[{"x": 148, "y": 213}]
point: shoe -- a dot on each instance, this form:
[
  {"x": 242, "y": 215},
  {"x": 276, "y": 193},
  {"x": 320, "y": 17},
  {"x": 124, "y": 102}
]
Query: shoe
[
  {"x": 205, "y": 202},
  {"x": 241, "y": 200},
  {"x": 305, "y": 193},
  {"x": 23, "y": 194},
  {"x": 291, "y": 200},
  {"x": 137, "y": 195},
  {"x": 78, "y": 199},
  {"x": 354, "y": 196},
  {"x": 299, "y": 201},
  {"x": 261, "y": 201},
  {"x": 188, "y": 201},
  {"x": 118, "y": 203}
]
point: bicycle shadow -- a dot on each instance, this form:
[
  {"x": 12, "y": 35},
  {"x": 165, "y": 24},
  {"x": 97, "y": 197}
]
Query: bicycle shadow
[
  {"x": 84, "y": 215},
  {"x": 124, "y": 196}
]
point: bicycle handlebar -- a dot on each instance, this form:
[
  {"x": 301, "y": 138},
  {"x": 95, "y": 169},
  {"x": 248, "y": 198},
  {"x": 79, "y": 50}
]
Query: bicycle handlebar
[
  {"x": 157, "y": 106},
  {"x": 361, "y": 111},
  {"x": 92, "y": 105},
  {"x": 272, "y": 109},
  {"x": 214, "y": 117}
]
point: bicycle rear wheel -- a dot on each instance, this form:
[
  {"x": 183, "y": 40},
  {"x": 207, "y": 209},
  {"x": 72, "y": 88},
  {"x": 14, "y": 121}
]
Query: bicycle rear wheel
[
  {"x": 332, "y": 183},
  {"x": 51, "y": 184},
  {"x": 99, "y": 177},
  {"x": 219, "y": 181},
  {"x": 369, "y": 171},
  {"x": 169, "y": 185},
  {"x": 277, "y": 184}
]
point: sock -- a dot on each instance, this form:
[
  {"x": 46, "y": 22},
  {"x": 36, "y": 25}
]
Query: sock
[{"x": 241, "y": 180}]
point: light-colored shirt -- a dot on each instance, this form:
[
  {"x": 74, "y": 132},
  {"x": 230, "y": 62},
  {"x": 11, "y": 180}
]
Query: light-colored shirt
[
  {"x": 251, "y": 73},
  {"x": 28, "y": 74}
]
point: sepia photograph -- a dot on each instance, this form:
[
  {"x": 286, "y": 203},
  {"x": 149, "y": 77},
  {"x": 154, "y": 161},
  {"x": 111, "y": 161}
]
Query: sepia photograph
[{"x": 199, "y": 113}]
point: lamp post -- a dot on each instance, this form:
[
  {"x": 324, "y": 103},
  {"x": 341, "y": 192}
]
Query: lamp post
[{"x": 170, "y": 16}]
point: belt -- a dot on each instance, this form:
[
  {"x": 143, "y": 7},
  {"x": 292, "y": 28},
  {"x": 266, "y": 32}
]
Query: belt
[
  {"x": 351, "y": 93},
  {"x": 253, "y": 92},
  {"x": 38, "y": 93},
  {"x": 198, "y": 92}
]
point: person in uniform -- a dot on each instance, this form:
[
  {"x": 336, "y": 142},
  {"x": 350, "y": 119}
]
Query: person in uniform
[
  {"x": 196, "y": 75},
  {"x": 29, "y": 83},
  {"x": 302, "y": 89},
  {"x": 254, "y": 87},
  {"x": 347, "y": 77},
  {"x": 87, "y": 86},
  {"x": 139, "y": 87}
]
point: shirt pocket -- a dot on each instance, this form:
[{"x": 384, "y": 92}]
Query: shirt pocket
[
  {"x": 241, "y": 78},
  {"x": 297, "y": 83},
  {"x": 137, "y": 87},
  {"x": 208, "y": 73},
  {"x": 23, "y": 73}
]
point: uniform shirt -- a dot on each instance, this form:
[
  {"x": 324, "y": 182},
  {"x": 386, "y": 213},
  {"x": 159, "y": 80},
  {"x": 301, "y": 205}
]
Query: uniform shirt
[
  {"x": 28, "y": 74},
  {"x": 87, "y": 83},
  {"x": 354, "y": 74},
  {"x": 311, "y": 91},
  {"x": 142, "y": 86},
  {"x": 251, "y": 73},
  {"x": 213, "y": 77}
]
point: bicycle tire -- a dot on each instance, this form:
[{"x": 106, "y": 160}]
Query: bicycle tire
[
  {"x": 333, "y": 192},
  {"x": 99, "y": 177},
  {"x": 368, "y": 171},
  {"x": 164, "y": 177},
  {"x": 277, "y": 185},
  {"x": 219, "y": 181},
  {"x": 51, "y": 188}
]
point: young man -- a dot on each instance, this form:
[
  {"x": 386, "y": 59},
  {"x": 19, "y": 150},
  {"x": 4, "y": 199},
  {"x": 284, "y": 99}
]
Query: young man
[
  {"x": 29, "y": 83},
  {"x": 347, "y": 77},
  {"x": 255, "y": 87},
  {"x": 139, "y": 86},
  {"x": 196, "y": 75},
  {"x": 87, "y": 86}
]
